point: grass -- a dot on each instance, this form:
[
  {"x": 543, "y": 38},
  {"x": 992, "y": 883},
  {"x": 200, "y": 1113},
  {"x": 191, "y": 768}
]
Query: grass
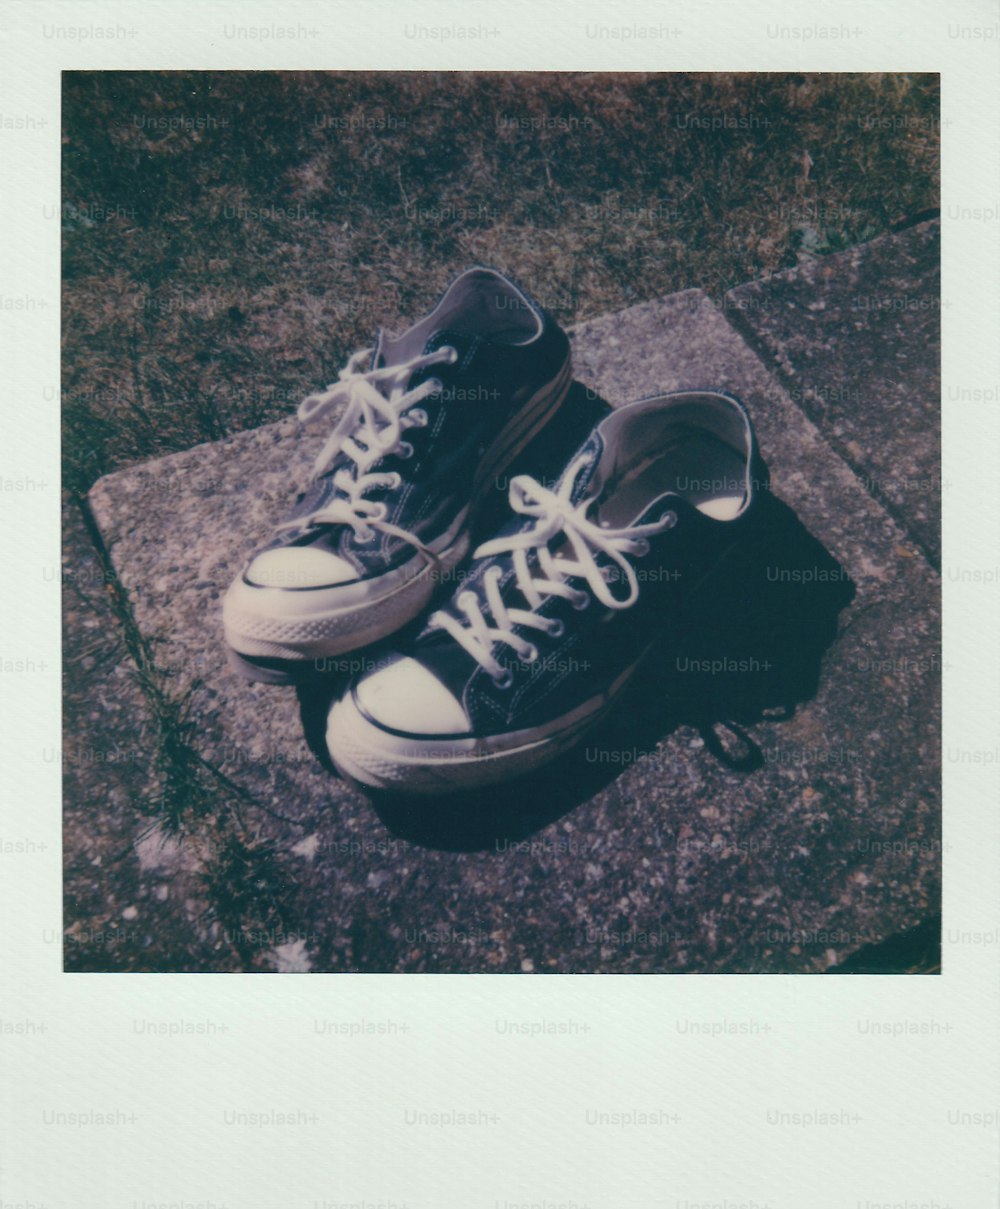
[
  {"x": 230, "y": 237},
  {"x": 248, "y": 890}
]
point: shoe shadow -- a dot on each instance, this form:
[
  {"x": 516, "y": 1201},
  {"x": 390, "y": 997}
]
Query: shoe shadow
[{"x": 748, "y": 648}]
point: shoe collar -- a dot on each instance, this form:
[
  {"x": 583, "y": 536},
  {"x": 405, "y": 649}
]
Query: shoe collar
[
  {"x": 649, "y": 424},
  {"x": 481, "y": 300}
]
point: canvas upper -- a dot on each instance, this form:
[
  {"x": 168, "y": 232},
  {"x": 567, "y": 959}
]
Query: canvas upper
[
  {"x": 505, "y": 346},
  {"x": 654, "y": 498}
]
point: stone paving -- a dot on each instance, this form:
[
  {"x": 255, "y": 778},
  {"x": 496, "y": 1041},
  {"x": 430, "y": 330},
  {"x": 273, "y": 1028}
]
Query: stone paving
[{"x": 856, "y": 339}]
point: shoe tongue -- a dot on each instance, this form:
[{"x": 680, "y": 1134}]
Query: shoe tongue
[
  {"x": 448, "y": 658},
  {"x": 591, "y": 449},
  {"x": 466, "y": 344},
  {"x": 386, "y": 353}
]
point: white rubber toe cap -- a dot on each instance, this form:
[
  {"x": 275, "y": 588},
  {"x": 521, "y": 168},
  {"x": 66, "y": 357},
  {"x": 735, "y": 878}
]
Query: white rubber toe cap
[
  {"x": 405, "y": 696},
  {"x": 299, "y": 567}
]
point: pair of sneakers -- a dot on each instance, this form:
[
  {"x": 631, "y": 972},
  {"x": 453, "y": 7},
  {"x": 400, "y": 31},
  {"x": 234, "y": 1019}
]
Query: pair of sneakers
[{"x": 547, "y": 620}]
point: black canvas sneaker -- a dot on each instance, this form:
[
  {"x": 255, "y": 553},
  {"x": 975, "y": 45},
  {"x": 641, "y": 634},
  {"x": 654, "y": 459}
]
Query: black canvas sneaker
[
  {"x": 556, "y": 612},
  {"x": 421, "y": 434}
]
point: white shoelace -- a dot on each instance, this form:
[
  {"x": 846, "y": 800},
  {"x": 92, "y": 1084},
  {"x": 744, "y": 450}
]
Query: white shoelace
[
  {"x": 556, "y": 514},
  {"x": 371, "y": 428}
]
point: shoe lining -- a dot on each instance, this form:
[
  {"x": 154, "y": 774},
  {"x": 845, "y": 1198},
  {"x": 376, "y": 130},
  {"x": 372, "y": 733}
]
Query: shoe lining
[
  {"x": 698, "y": 467},
  {"x": 479, "y": 301}
]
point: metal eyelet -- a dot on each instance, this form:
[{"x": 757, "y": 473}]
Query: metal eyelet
[
  {"x": 641, "y": 548},
  {"x": 581, "y": 602},
  {"x": 437, "y": 384},
  {"x": 668, "y": 520},
  {"x": 505, "y": 679},
  {"x": 453, "y": 354},
  {"x": 397, "y": 480},
  {"x": 557, "y": 628},
  {"x": 530, "y": 654},
  {"x": 364, "y": 541},
  {"x": 405, "y": 450},
  {"x": 418, "y": 416}
]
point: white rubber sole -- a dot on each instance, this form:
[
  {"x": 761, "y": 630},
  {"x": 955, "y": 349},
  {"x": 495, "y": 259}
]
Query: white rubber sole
[
  {"x": 379, "y": 759},
  {"x": 273, "y": 634}
]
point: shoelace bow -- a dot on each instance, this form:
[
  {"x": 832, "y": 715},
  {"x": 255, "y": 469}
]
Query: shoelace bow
[
  {"x": 371, "y": 428},
  {"x": 556, "y": 515}
]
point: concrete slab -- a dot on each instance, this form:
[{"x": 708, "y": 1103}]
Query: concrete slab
[
  {"x": 644, "y": 852},
  {"x": 856, "y": 337}
]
